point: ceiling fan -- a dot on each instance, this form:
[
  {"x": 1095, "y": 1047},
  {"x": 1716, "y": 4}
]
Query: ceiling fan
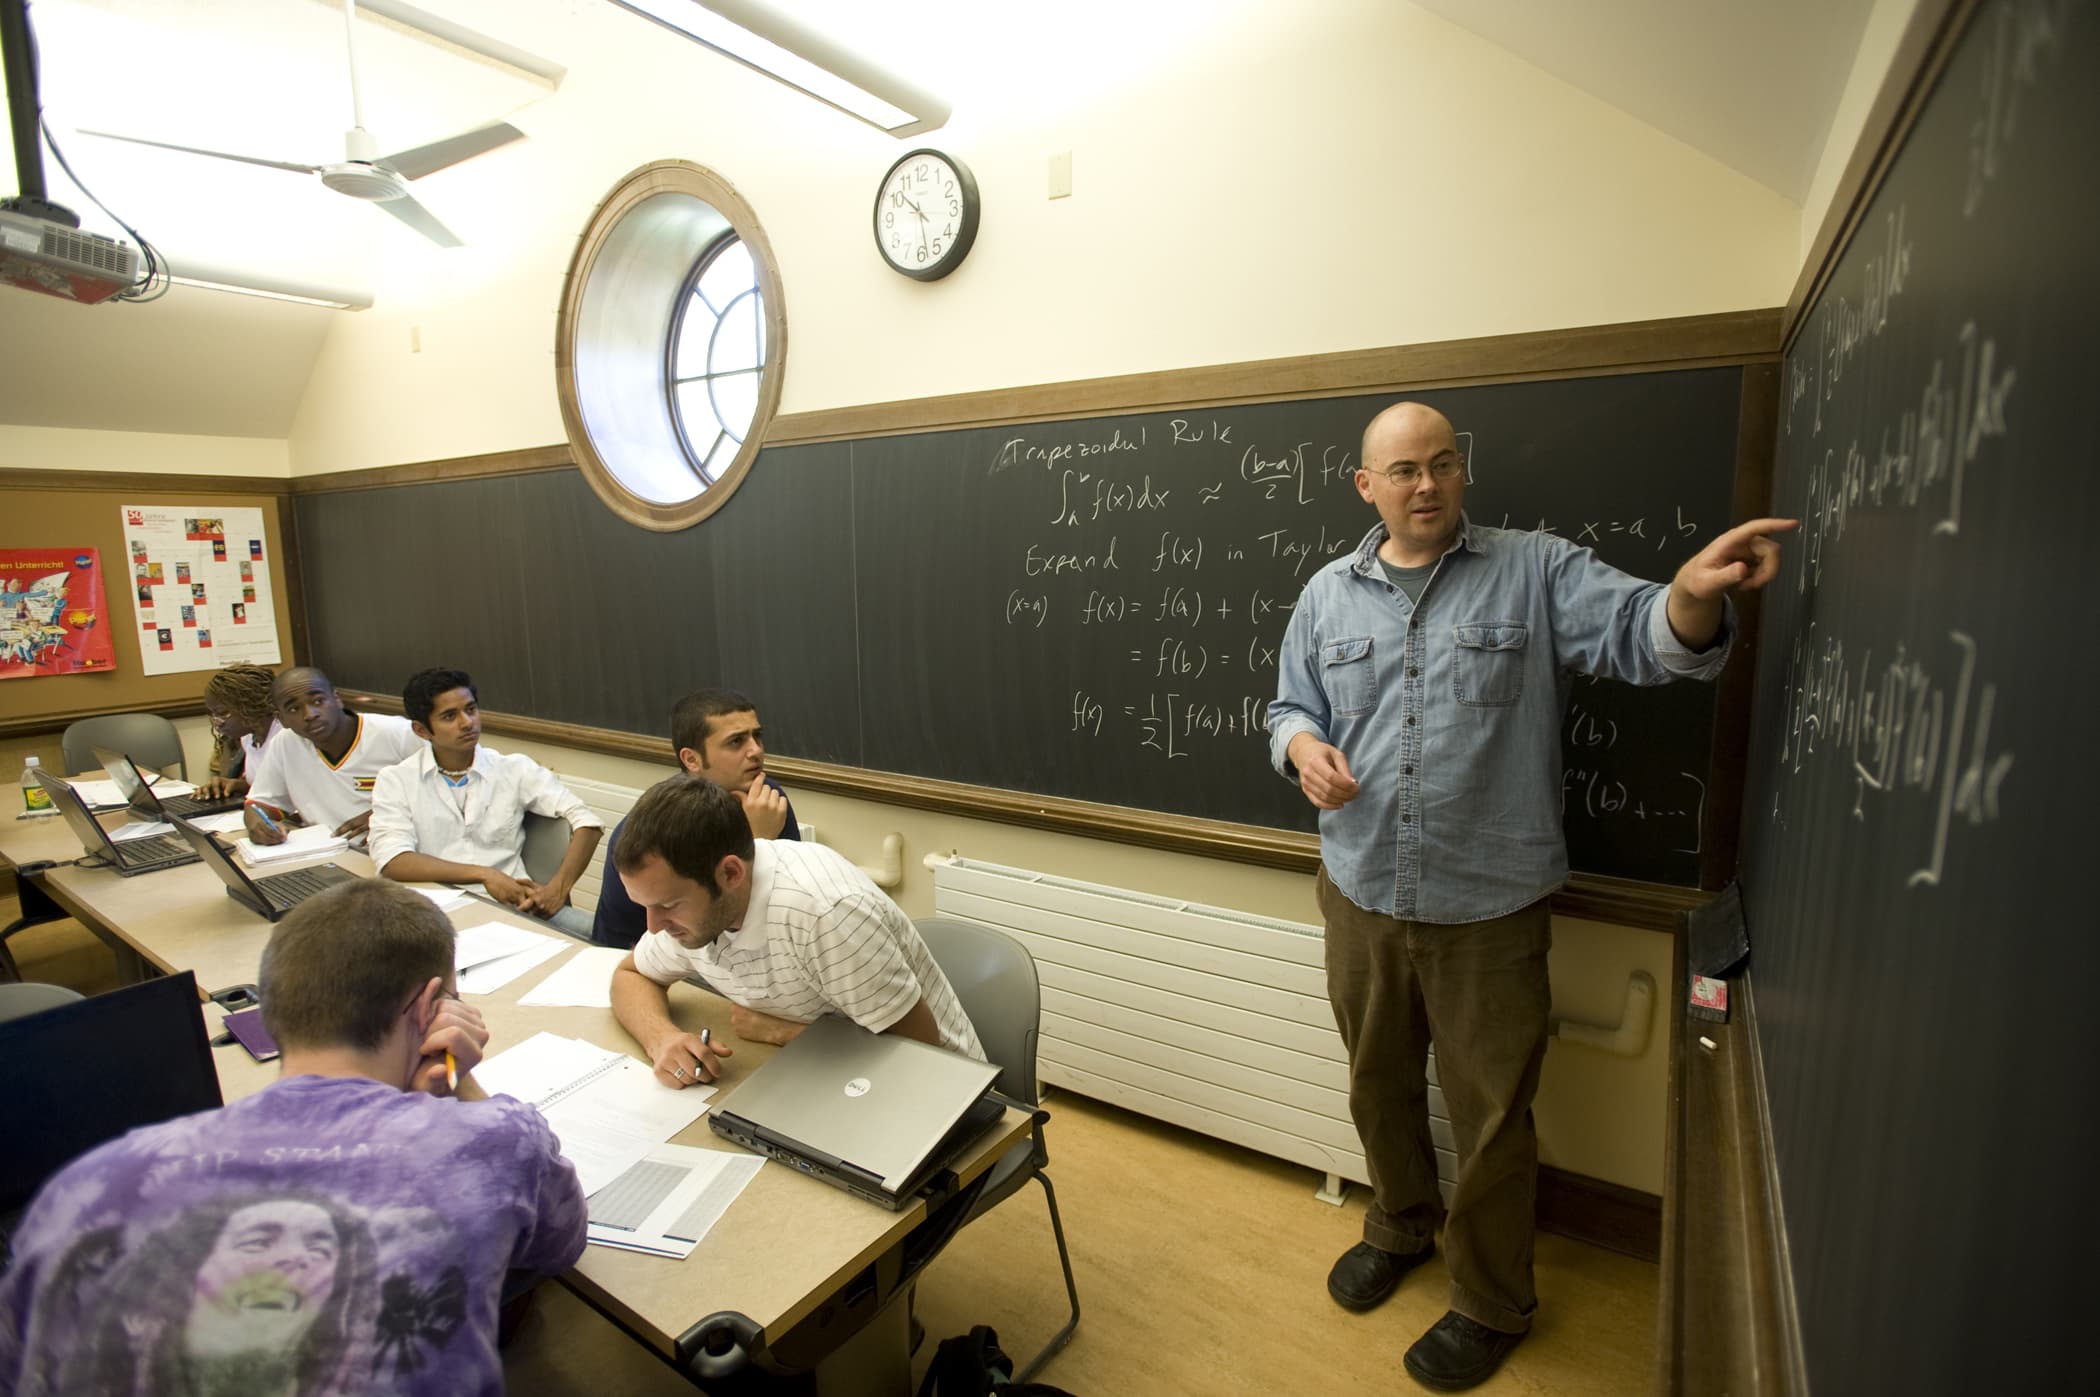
[{"x": 363, "y": 173}]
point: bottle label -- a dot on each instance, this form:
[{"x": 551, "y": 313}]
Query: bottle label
[{"x": 35, "y": 799}]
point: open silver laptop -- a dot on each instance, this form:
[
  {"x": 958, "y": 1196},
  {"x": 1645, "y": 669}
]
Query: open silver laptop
[
  {"x": 271, "y": 897},
  {"x": 876, "y": 1114},
  {"x": 140, "y": 795},
  {"x": 126, "y": 856}
]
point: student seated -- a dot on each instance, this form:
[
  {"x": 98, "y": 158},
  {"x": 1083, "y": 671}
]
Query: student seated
[
  {"x": 716, "y": 734},
  {"x": 321, "y": 768},
  {"x": 786, "y": 932},
  {"x": 455, "y": 811},
  {"x": 237, "y": 699},
  {"x": 350, "y": 1228}
]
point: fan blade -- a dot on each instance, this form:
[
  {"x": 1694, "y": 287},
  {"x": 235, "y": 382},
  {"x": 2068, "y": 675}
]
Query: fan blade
[
  {"x": 424, "y": 160},
  {"x": 214, "y": 154},
  {"x": 419, "y": 218}
]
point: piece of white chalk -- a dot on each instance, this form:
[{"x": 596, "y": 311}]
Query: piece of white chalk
[{"x": 1707, "y": 1043}]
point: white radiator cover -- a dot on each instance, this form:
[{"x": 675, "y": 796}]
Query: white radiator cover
[{"x": 1207, "y": 1018}]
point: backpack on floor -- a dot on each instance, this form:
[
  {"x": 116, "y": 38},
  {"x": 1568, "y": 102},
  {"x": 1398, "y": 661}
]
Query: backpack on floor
[{"x": 973, "y": 1365}]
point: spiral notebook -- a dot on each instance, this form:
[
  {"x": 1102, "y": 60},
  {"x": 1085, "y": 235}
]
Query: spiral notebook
[{"x": 607, "y": 1109}]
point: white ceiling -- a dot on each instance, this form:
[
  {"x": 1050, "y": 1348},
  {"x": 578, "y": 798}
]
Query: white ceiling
[{"x": 1752, "y": 83}]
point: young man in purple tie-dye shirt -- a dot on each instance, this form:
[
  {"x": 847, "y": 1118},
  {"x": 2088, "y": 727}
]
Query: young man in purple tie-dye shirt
[{"x": 352, "y": 1228}]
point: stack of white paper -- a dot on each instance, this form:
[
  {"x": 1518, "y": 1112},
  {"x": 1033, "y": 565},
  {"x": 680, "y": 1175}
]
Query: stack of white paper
[
  {"x": 225, "y": 822},
  {"x": 303, "y": 842},
  {"x": 607, "y": 1109},
  {"x": 444, "y": 899},
  {"x": 108, "y": 795},
  {"x": 492, "y": 954}
]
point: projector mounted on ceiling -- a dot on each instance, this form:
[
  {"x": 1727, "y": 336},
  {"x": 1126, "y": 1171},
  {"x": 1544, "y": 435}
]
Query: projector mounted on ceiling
[
  {"x": 43, "y": 254},
  {"x": 365, "y": 174}
]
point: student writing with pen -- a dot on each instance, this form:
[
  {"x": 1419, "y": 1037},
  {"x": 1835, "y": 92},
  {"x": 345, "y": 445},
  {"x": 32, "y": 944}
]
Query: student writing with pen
[{"x": 321, "y": 767}]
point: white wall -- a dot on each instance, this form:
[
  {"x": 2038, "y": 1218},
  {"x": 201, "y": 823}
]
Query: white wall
[
  {"x": 1263, "y": 181},
  {"x": 1870, "y": 68},
  {"x": 71, "y": 449}
]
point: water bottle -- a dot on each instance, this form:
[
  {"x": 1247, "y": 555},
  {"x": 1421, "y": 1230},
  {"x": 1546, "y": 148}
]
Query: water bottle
[{"x": 35, "y": 799}]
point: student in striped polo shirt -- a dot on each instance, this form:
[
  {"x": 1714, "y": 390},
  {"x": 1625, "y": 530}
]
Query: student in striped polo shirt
[{"x": 787, "y": 932}]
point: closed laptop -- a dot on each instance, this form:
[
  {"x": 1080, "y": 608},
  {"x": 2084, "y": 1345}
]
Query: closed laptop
[{"x": 875, "y": 1114}]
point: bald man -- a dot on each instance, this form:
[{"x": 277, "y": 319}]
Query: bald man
[
  {"x": 1419, "y": 709},
  {"x": 320, "y": 769}
]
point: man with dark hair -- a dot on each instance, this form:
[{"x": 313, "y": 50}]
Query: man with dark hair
[
  {"x": 322, "y": 766},
  {"x": 787, "y": 932},
  {"x": 716, "y": 734},
  {"x": 455, "y": 812},
  {"x": 350, "y": 1228}
]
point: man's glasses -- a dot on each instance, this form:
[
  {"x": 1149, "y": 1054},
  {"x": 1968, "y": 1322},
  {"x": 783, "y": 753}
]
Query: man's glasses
[{"x": 1408, "y": 474}]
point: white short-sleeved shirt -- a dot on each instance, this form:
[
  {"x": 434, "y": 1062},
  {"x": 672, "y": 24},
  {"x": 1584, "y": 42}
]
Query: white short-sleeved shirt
[
  {"x": 416, "y": 810},
  {"x": 291, "y": 774},
  {"x": 818, "y": 937}
]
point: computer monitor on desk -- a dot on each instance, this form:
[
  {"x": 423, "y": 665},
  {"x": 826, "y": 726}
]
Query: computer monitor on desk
[{"x": 73, "y": 1078}]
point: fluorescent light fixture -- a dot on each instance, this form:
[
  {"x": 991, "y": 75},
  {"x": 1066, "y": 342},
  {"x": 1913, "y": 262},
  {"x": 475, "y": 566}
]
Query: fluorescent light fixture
[
  {"x": 269, "y": 288},
  {"x": 785, "y": 49}
]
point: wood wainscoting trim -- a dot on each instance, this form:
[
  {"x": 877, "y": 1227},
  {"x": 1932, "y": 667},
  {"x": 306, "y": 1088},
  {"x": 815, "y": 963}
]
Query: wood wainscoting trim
[
  {"x": 529, "y": 461},
  {"x": 1728, "y": 1321},
  {"x": 1653, "y": 906},
  {"x": 47, "y": 723},
  {"x": 1607, "y": 1215},
  {"x": 145, "y": 483}
]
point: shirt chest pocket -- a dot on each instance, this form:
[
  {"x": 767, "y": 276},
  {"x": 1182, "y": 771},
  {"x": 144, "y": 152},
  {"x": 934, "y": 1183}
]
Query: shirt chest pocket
[
  {"x": 1349, "y": 674},
  {"x": 1488, "y": 663}
]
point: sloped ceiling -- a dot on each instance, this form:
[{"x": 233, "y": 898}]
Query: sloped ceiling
[{"x": 1752, "y": 85}]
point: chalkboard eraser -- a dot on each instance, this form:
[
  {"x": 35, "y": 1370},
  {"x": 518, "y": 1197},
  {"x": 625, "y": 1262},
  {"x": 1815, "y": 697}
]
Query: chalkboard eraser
[{"x": 1709, "y": 999}]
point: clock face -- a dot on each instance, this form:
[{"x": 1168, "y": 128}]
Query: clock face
[{"x": 926, "y": 215}]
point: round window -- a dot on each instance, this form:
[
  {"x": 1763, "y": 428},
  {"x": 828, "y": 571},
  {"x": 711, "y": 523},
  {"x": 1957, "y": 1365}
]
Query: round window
[{"x": 669, "y": 345}]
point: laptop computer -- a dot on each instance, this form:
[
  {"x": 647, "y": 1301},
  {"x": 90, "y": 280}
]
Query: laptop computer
[
  {"x": 875, "y": 1114},
  {"x": 269, "y": 897},
  {"x": 74, "y": 1081},
  {"x": 129, "y": 857},
  {"x": 140, "y": 795}
]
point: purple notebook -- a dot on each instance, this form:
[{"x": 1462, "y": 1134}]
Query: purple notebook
[{"x": 247, "y": 1026}]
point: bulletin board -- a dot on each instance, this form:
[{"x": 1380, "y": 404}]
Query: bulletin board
[{"x": 83, "y": 509}]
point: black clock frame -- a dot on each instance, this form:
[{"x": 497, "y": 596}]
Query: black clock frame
[{"x": 965, "y": 235}]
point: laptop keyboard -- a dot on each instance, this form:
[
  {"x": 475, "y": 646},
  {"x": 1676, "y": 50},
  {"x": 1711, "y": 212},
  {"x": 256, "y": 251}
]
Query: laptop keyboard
[
  {"x": 154, "y": 848},
  {"x": 190, "y": 809},
  {"x": 300, "y": 884}
]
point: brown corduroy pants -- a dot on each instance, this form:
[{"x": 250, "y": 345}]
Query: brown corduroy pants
[{"x": 1478, "y": 991}]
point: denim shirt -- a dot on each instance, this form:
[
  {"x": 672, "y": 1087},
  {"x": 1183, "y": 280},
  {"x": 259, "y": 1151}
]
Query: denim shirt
[{"x": 1449, "y": 711}]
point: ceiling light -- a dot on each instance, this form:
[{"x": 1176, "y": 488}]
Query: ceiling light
[
  {"x": 269, "y": 288},
  {"x": 783, "y": 48}
]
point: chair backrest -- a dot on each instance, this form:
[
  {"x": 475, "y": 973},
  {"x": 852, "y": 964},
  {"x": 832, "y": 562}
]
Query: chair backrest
[
  {"x": 546, "y": 844},
  {"x": 146, "y": 738},
  {"x": 994, "y": 977},
  {"x": 29, "y": 997}
]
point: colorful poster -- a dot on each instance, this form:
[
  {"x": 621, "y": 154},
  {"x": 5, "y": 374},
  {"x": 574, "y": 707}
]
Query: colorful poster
[
  {"x": 52, "y": 618},
  {"x": 203, "y": 585}
]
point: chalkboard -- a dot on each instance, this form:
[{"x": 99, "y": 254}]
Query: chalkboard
[
  {"x": 1087, "y": 609},
  {"x": 1913, "y": 837}
]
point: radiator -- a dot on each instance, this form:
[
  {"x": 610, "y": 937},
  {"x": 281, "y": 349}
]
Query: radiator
[{"x": 1207, "y": 1018}]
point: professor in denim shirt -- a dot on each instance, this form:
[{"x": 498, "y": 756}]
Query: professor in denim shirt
[{"x": 1419, "y": 707}]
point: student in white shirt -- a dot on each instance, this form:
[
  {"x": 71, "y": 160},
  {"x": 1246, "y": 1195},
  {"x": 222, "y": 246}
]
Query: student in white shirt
[
  {"x": 455, "y": 812},
  {"x": 787, "y": 932},
  {"x": 321, "y": 767}
]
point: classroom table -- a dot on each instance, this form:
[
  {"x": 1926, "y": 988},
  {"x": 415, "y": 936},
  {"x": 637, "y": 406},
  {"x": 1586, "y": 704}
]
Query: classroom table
[{"x": 792, "y": 1264}]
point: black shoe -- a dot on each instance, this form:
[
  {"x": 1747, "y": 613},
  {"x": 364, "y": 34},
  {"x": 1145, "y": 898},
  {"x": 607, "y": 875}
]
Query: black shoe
[
  {"x": 1458, "y": 1353},
  {"x": 1365, "y": 1274}
]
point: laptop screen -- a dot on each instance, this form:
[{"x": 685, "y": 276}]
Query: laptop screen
[
  {"x": 73, "y": 1078},
  {"x": 130, "y": 780},
  {"x": 93, "y": 838},
  {"x": 219, "y": 861}
]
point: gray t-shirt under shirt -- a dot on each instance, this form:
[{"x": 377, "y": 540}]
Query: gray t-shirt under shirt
[{"x": 1408, "y": 580}]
